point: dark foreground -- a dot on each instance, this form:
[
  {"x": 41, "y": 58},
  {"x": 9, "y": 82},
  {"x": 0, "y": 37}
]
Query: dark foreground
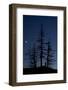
[{"x": 42, "y": 70}]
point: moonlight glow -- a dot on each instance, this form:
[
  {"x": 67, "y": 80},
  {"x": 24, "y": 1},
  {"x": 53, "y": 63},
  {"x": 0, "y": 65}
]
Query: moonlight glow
[{"x": 26, "y": 41}]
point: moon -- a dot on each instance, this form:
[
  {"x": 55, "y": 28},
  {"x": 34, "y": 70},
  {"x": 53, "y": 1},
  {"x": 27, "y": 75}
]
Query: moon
[{"x": 26, "y": 41}]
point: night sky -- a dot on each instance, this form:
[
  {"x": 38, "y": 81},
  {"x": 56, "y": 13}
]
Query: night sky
[{"x": 31, "y": 29}]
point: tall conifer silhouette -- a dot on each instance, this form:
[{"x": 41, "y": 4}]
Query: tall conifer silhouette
[
  {"x": 50, "y": 55},
  {"x": 41, "y": 46},
  {"x": 33, "y": 57}
]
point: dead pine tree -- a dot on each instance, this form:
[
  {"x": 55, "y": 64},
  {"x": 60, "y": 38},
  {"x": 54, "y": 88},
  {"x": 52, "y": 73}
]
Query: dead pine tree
[
  {"x": 33, "y": 60},
  {"x": 50, "y": 55},
  {"x": 41, "y": 47}
]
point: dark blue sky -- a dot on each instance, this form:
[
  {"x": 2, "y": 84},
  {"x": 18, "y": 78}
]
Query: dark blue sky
[{"x": 31, "y": 29}]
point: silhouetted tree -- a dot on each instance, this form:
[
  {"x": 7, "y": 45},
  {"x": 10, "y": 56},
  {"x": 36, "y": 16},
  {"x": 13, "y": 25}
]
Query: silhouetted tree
[
  {"x": 50, "y": 55},
  {"x": 41, "y": 47},
  {"x": 32, "y": 56}
]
